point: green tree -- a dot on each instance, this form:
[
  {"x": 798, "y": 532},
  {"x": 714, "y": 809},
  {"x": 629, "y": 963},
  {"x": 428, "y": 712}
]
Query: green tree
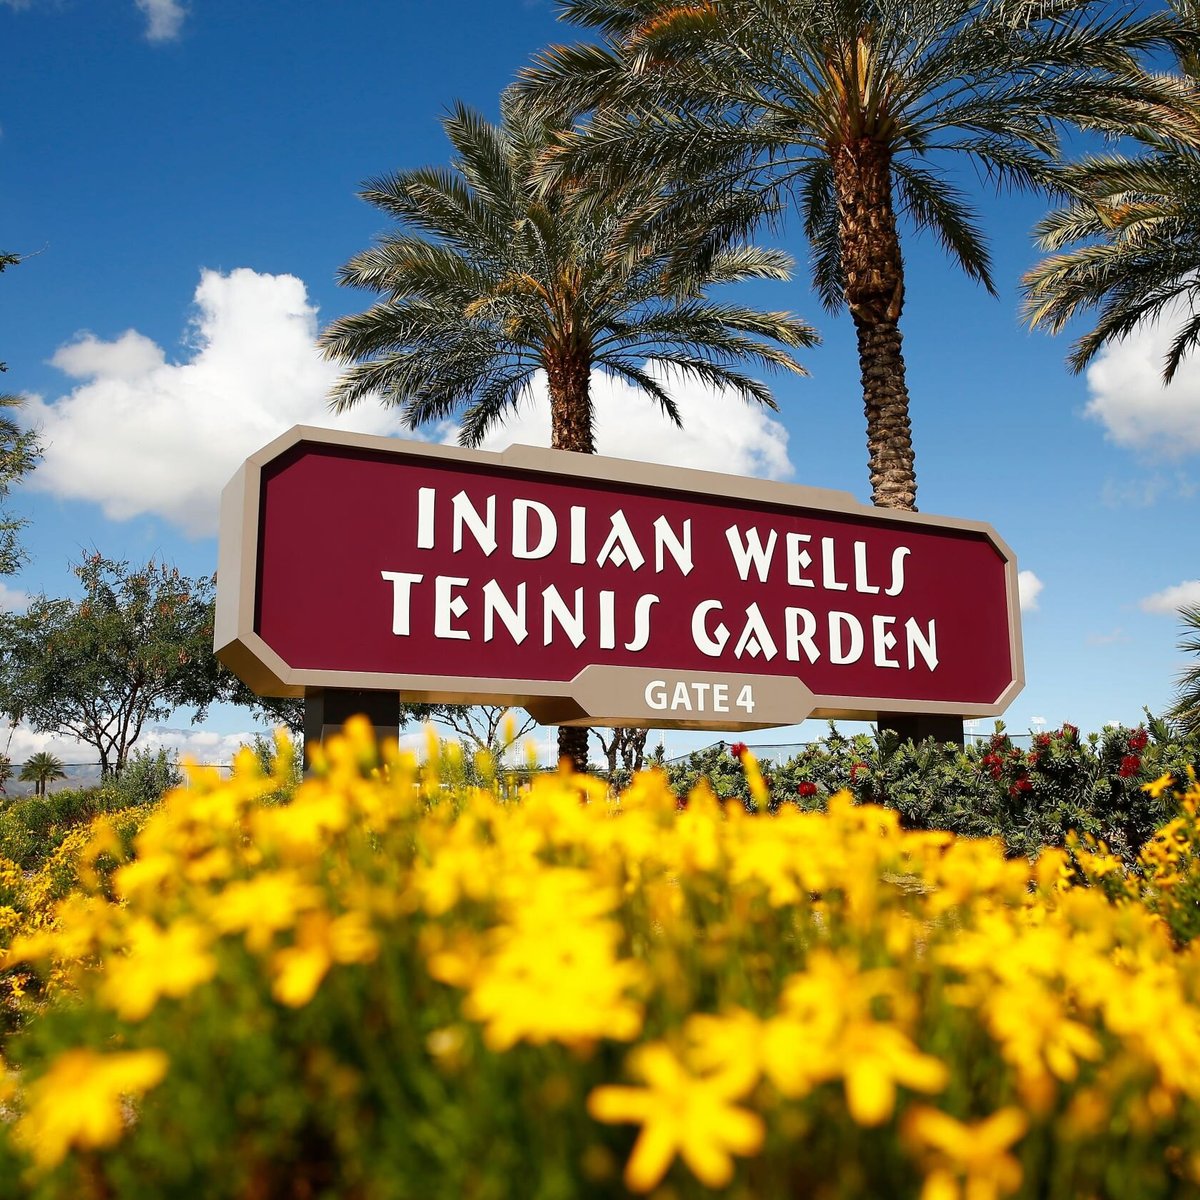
[
  {"x": 852, "y": 109},
  {"x": 1126, "y": 244},
  {"x": 40, "y": 769},
  {"x": 490, "y": 278},
  {"x": 20, "y": 451},
  {"x": 1185, "y": 711},
  {"x": 135, "y": 647}
]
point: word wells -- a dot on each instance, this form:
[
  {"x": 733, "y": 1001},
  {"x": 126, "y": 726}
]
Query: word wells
[{"x": 633, "y": 579}]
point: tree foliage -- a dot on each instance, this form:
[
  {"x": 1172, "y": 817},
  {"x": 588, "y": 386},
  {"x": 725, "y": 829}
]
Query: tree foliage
[
  {"x": 1185, "y": 712},
  {"x": 136, "y": 646},
  {"x": 490, "y": 278},
  {"x": 1126, "y": 243},
  {"x": 20, "y": 451}
]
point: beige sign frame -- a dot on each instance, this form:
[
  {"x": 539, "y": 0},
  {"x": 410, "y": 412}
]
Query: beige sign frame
[{"x": 598, "y": 695}]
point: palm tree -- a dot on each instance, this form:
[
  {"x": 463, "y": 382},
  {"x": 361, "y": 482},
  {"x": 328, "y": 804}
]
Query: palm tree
[
  {"x": 1186, "y": 709},
  {"x": 490, "y": 279},
  {"x": 40, "y": 769},
  {"x": 1127, "y": 242},
  {"x": 850, "y": 109}
]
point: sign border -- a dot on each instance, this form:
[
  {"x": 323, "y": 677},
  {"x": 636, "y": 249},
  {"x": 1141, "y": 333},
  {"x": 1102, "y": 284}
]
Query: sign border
[{"x": 240, "y": 648}]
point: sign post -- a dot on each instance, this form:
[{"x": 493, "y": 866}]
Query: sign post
[{"x": 600, "y": 591}]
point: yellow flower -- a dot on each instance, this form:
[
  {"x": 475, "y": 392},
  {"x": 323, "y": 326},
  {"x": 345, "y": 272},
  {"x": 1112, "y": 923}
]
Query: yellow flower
[
  {"x": 872, "y": 1059},
  {"x": 682, "y": 1114},
  {"x": 263, "y": 906},
  {"x": 974, "y": 1156},
  {"x": 1159, "y": 785},
  {"x": 321, "y": 941},
  {"x": 159, "y": 962},
  {"x": 78, "y": 1101}
]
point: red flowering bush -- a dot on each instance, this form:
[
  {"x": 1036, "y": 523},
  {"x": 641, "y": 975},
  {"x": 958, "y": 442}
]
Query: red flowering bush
[
  {"x": 806, "y": 788},
  {"x": 1130, "y": 765}
]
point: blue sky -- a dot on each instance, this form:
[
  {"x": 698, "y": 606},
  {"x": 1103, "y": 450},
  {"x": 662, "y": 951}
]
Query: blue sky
[{"x": 183, "y": 179}]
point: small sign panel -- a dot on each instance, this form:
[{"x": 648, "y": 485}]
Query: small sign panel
[{"x": 602, "y": 591}]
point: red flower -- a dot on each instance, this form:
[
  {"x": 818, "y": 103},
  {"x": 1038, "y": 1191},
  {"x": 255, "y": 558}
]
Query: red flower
[
  {"x": 1042, "y": 741},
  {"x": 1130, "y": 765},
  {"x": 1138, "y": 740},
  {"x": 995, "y": 764},
  {"x": 738, "y": 749},
  {"x": 1069, "y": 730},
  {"x": 805, "y": 788},
  {"x": 1033, "y": 758},
  {"x": 1022, "y": 785}
]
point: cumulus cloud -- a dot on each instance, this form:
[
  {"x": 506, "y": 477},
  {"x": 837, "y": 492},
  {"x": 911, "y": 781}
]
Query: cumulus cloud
[
  {"x": 12, "y": 599},
  {"x": 720, "y": 431},
  {"x": 141, "y": 435},
  {"x": 1171, "y": 600},
  {"x": 1127, "y": 395},
  {"x": 1029, "y": 587},
  {"x": 164, "y": 19}
]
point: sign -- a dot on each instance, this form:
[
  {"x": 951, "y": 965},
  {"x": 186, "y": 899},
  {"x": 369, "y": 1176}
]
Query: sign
[{"x": 602, "y": 591}]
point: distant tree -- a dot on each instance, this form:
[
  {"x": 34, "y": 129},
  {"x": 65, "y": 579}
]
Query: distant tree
[
  {"x": 492, "y": 728},
  {"x": 6, "y": 771},
  {"x": 626, "y": 743},
  {"x": 20, "y": 451},
  {"x": 135, "y": 647},
  {"x": 40, "y": 769},
  {"x": 1185, "y": 712}
]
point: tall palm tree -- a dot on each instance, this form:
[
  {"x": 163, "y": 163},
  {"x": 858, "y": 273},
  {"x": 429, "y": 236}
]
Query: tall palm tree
[
  {"x": 850, "y": 108},
  {"x": 40, "y": 769},
  {"x": 1127, "y": 242},
  {"x": 490, "y": 278},
  {"x": 1186, "y": 709}
]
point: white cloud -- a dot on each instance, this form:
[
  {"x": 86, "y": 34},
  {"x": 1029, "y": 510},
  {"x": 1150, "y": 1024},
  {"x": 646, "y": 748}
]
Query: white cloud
[
  {"x": 1029, "y": 587},
  {"x": 12, "y": 599},
  {"x": 1171, "y": 600},
  {"x": 129, "y": 356},
  {"x": 143, "y": 435},
  {"x": 164, "y": 17},
  {"x": 720, "y": 431},
  {"x": 1129, "y": 399}
]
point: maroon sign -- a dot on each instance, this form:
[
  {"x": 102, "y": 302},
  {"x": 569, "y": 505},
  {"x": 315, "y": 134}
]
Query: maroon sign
[{"x": 597, "y": 589}]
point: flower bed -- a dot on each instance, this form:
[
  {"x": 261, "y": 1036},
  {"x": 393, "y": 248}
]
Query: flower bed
[{"x": 386, "y": 988}]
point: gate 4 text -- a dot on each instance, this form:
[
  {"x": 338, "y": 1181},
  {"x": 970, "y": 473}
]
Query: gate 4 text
[{"x": 663, "y": 695}]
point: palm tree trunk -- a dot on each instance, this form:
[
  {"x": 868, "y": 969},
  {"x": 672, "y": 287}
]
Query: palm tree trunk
[
  {"x": 570, "y": 402},
  {"x": 571, "y": 429},
  {"x": 874, "y": 274}
]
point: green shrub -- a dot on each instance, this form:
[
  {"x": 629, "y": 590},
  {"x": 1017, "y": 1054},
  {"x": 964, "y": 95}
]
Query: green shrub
[{"x": 1029, "y": 798}]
